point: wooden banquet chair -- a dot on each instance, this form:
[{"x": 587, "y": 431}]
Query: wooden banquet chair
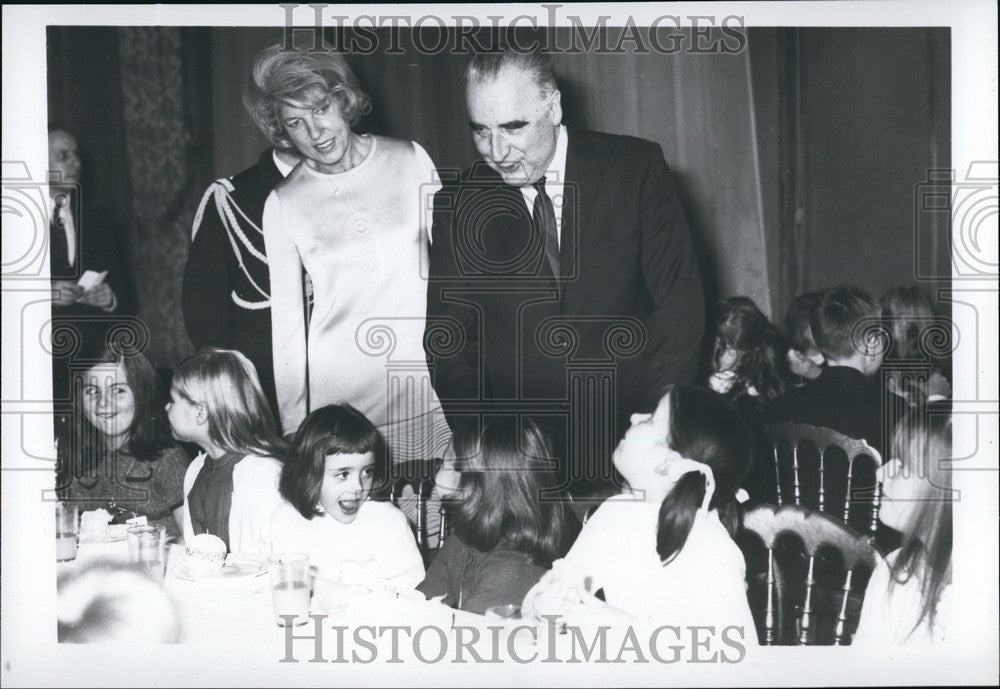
[
  {"x": 824, "y": 470},
  {"x": 419, "y": 475},
  {"x": 809, "y": 608}
]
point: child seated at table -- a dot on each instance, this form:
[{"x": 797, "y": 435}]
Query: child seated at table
[
  {"x": 748, "y": 373},
  {"x": 745, "y": 367},
  {"x": 336, "y": 456},
  {"x": 908, "y": 596},
  {"x": 508, "y": 522},
  {"x": 115, "y": 451},
  {"x": 664, "y": 549},
  {"x": 847, "y": 396},
  {"x": 231, "y": 489},
  {"x": 805, "y": 361},
  {"x": 909, "y": 317}
]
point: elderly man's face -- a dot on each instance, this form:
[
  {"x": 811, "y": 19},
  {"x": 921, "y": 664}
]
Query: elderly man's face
[
  {"x": 514, "y": 127},
  {"x": 64, "y": 156}
]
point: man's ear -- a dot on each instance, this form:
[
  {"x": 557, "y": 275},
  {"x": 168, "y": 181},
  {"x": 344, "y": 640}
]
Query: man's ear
[{"x": 555, "y": 108}]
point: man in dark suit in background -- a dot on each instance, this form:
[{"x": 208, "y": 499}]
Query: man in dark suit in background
[
  {"x": 82, "y": 240},
  {"x": 562, "y": 278}
]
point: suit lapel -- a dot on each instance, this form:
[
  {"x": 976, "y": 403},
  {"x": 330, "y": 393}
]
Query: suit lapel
[
  {"x": 580, "y": 187},
  {"x": 502, "y": 209},
  {"x": 58, "y": 251}
]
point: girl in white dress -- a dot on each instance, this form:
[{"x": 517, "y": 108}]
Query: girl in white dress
[
  {"x": 336, "y": 456},
  {"x": 663, "y": 550}
]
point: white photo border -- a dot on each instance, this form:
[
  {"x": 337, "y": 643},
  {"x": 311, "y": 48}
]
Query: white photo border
[{"x": 30, "y": 655}]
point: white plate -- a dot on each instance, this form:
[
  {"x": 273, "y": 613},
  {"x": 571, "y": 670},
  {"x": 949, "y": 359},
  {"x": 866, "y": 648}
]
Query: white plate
[
  {"x": 235, "y": 568},
  {"x": 115, "y": 534}
]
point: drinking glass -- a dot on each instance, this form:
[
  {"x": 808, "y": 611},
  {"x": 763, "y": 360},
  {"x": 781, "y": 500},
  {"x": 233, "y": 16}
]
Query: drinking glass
[
  {"x": 290, "y": 588},
  {"x": 147, "y": 549},
  {"x": 67, "y": 531}
]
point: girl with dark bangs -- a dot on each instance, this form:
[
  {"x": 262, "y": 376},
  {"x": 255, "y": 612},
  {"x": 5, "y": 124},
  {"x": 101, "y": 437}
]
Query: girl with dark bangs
[
  {"x": 508, "y": 524},
  {"x": 115, "y": 451},
  {"x": 747, "y": 370},
  {"x": 745, "y": 359},
  {"x": 337, "y": 455}
]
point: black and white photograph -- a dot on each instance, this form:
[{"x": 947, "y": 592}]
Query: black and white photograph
[{"x": 550, "y": 345}]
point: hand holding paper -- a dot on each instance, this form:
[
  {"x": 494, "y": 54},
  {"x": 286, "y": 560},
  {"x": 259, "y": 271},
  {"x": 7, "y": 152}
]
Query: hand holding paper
[
  {"x": 91, "y": 279},
  {"x": 100, "y": 296}
]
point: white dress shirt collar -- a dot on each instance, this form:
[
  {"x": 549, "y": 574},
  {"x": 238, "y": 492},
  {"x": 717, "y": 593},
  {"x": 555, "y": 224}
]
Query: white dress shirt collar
[
  {"x": 555, "y": 181},
  {"x": 283, "y": 167}
]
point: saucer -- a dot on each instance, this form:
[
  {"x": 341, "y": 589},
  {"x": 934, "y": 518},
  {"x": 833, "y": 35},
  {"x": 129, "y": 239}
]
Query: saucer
[{"x": 235, "y": 568}]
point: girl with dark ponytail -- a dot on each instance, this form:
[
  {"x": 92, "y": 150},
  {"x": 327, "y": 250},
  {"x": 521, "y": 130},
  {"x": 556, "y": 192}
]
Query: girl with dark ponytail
[{"x": 664, "y": 549}]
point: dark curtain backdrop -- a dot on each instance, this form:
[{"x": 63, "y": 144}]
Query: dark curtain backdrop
[
  {"x": 797, "y": 159},
  {"x": 875, "y": 116},
  {"x": 138, "y": 101},
  {"x": 85, "y": 98}
]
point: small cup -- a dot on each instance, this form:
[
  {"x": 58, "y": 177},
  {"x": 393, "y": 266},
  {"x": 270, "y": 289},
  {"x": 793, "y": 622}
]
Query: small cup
[
  {"x": 67, "y": 531},
  {"x": 147, "y": 549},
  {"x": 289, "y": 588},
  {"x": 508, "y": 611}
]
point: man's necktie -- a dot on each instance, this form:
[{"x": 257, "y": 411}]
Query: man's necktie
[
  {"x": 545, "y": 220},
  {"x": 61, "y": 250}
]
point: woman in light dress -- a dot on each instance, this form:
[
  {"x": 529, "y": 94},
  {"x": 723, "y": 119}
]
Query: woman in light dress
[{"x": 354, "y": 215}]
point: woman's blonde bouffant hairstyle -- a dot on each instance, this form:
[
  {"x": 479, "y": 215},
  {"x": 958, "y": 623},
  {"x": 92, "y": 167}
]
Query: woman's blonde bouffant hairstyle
[{"x": 300, "y": 79}]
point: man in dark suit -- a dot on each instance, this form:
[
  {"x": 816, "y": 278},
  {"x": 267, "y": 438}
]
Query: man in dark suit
[
  {"x": 562, "y": 279},
  {"x": 227, "y": 284},
  {"x": 81, "y": 238}
]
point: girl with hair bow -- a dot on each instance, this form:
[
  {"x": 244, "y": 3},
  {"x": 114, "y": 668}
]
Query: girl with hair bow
[{"x": 664, "y": 550}]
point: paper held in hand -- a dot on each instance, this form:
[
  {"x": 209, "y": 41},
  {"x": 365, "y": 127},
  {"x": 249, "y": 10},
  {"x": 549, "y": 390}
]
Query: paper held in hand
[{"x": 91, "y": 279}]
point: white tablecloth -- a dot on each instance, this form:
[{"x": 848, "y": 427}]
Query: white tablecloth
[
  {"x": 375, "y": 627},
  {"x": 238, "y": 611}
]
